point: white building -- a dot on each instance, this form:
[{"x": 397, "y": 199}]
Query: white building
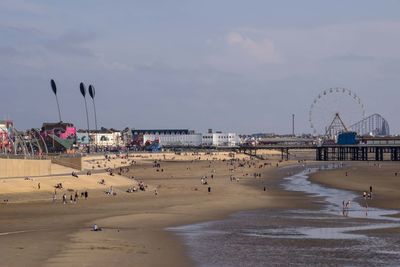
[
  {"x": 166, "y": 137},
  {"x": 220, "y": 139},
  {"x": 109, "y": 139},
  {"x": 190, "y": 139},
  {"x": 104, "y": 138},
  {"x": 184, "y": 137}
]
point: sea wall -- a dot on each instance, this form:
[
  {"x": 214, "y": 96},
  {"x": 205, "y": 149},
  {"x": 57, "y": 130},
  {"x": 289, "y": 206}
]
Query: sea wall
[
  {"x": 24, "y": 167},
  {"x": 71, "y": 162}
]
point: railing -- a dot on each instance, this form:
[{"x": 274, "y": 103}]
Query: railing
[{"x": 13, "y": 156}]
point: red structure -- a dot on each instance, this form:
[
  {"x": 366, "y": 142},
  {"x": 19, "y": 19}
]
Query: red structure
[
  {"x": 6, "y": 136},
  {"x": 59, "y": 137}
]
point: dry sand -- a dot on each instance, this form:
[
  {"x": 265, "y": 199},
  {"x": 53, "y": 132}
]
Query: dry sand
[
  {"x": 115, "y": 161},
  {"x": 45, "y": 234}
]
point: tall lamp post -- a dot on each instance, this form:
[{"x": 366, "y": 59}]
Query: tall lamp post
[
  {"x": 83, "y": 92},
  {"x": 92, "y": 93},
  {"x": 293, "y": 125},
  {"x": 54, "y": 88}
]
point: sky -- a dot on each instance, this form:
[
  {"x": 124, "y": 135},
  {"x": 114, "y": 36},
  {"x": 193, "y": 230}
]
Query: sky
[{"x": 229, "y": 65}]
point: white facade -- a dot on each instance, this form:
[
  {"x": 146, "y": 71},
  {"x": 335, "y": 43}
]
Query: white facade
[
  {"x": 106, "y": 139},
  {"x": 174, "y": 139},
  {"x": 220, "y": 139}
]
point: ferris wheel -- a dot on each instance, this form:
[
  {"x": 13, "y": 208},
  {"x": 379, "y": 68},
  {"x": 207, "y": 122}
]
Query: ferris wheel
[{"x": 335, "y": 103}]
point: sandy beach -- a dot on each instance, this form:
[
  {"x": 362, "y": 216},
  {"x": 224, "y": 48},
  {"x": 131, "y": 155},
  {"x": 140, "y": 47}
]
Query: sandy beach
[{"x": 37, "y": 231}]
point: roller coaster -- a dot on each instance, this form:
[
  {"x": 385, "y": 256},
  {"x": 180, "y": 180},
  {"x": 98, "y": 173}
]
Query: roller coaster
[{"x": 374, "y": 125}]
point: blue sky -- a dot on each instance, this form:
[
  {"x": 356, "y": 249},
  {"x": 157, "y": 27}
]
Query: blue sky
[{"x": 241, "y": 66}]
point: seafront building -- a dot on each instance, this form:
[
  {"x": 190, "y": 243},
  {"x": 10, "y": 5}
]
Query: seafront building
[
  {"x": 220, "y": 139},
  {"x": 168, "y": 137},
  {"x": 183, "y": 137},
  {"x": 107, "y": 138},
  {"x": 164, "y": 137},
  {"x": 82, "y": 138},
  {"x": 100, "y": 138}
]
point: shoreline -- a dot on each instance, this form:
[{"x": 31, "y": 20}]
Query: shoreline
[
  {"x": 327, "y": 231},
  {"x": 135, "y": 225},
  {"x": 360, "y": 176}
]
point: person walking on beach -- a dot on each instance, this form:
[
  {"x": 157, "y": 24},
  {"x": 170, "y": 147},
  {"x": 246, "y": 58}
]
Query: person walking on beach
[
  {"x": 343, "y": 209},
  {"x": 347, "y": 208},
  {"x": 38, "y": 186}
]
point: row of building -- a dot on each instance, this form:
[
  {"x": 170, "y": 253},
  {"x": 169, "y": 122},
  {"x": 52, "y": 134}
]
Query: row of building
[{"x": 164, "y": 137}]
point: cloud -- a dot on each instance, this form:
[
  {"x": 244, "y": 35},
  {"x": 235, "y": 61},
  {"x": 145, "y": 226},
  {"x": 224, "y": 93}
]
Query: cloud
[
  {"x": 19, "y": 28},
  {"x": 351, "y": 50},
  {"x": 173, "y": 63},
  {"x": 73, "y": 43},
  {"x": 112, "y": 65},
  {"x": 244, "y": 53},
  {"x": 262, "y": 50},
  {"x": 24, "y": 6}
]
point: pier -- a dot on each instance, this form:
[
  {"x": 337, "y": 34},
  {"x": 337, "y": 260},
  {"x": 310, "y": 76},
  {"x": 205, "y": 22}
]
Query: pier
[
  {"x": 358, "y": 153},
  {"x": 336, "y": 152}
]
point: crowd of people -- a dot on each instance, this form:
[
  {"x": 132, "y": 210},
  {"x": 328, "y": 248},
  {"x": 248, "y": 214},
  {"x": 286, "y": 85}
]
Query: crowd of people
[{"x": 234, "y": 164}]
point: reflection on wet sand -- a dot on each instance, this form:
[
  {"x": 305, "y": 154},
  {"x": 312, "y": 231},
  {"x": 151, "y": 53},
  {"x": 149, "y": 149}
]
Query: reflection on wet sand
[{"x": 331, "y": 235}]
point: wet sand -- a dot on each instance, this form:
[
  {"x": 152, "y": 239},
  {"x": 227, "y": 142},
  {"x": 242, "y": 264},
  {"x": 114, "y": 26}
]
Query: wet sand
[
  {"x": 325, "y": 236},
  {"x": 360, "y": 176},
  {"x": 40, "y": 233}
]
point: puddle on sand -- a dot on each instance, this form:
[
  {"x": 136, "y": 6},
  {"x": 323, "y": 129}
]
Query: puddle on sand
[{"x": 334, "y": 198}]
